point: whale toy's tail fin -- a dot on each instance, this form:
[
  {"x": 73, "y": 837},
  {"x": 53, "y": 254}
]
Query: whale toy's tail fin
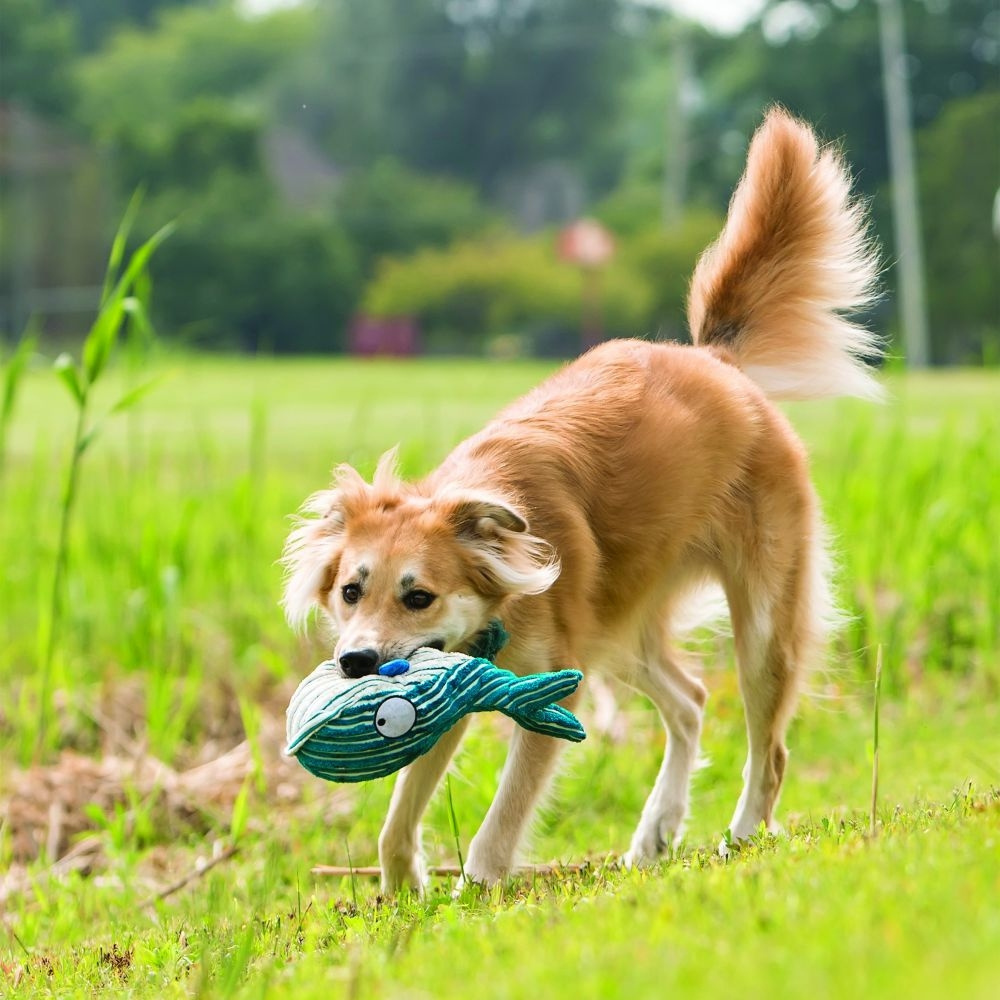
[
  {"x": 552, "y": 721},
  {"x": 526, "y": 694},
  {"x": 529, "y": 702}
]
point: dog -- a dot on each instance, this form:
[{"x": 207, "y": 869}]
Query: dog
[{"x": 587, "y": 514}]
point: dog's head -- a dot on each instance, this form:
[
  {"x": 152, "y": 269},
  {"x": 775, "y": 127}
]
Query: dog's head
[{"x": 394, "y": 568}]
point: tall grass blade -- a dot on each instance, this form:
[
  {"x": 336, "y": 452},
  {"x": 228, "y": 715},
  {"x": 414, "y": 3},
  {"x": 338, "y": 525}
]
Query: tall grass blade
[
  {"x": 878, "y": 696},
  {"x": 135, "y": 310},
  {"x": 118, "y": 243},
  {"x": 13, "y": 373},
  {"x": 453, "y": 820},
  {"x": 240, "y": 812},
  {"x": 135, "y": 394},
  {"x": 66, "y": 371},
  {"x": 350, "y": 864},
  {"x": 54, "y": 618},
  {"x": 103, "y": 334},
  {"x": 116, "y": 304}
]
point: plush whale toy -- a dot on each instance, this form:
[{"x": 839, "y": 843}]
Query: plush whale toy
[{"x": 345, "y": 729}]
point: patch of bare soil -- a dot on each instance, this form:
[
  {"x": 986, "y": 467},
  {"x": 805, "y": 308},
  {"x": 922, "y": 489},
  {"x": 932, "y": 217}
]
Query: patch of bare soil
[{"x": 55, "y": 811}]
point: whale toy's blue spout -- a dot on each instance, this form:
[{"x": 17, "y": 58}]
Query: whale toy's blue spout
[{"x": 344, "y": 729}]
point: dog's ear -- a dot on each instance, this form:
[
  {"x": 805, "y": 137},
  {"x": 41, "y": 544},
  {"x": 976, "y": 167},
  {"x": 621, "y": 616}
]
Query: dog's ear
[
  {"x": 481, "y": 516},
  {"x": 313, "y": 548},
  {"x": 505, "y": 557}
]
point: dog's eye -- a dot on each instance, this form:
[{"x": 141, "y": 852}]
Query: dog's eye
[
  {"x": 351, "y": 593},
  {"x": 417, "y": 600}
]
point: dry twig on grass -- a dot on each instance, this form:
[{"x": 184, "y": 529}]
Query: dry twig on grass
[{"x": 198, "y": 872}]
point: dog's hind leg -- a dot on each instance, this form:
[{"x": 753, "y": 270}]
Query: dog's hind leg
[
  {"x": 680, "y": 699},
  {"x": 779, "y": 621},
  {"x": 399, "y": 848}
]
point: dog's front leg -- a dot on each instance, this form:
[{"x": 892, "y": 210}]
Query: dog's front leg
[
  {"x": 530, "y": 764},
  {"x": 399, "y": 848}
]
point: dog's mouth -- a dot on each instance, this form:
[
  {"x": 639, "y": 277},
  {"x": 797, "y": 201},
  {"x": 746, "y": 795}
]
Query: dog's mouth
[{"x": 436, "y": 644}]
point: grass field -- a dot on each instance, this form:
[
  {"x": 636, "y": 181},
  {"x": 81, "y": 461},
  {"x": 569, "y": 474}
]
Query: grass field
[{"x": 172, "y": 650}]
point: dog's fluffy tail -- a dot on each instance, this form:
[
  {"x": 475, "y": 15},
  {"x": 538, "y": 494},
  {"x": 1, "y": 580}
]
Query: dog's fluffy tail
[{"x": 771, "y": 293}]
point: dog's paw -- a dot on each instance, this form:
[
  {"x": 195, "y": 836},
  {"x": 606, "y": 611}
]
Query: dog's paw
[
  {"x": 485, "y": 868},
  {"x": 398, "y": 877},
  {"x": 642, "y": 856},
  {"x": 482, "y": 875},
  {"x": 463, "y": 882},
  {"x": 402, "y": 868},
  {"x": 652, "y": 842}
]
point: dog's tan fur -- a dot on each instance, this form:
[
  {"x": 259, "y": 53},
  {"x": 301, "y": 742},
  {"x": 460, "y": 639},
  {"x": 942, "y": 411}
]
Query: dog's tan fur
[{"x": 588, "y": 511}]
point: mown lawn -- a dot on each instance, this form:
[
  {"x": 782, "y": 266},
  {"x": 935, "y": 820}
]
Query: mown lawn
[{"x": 174, "y": 649}]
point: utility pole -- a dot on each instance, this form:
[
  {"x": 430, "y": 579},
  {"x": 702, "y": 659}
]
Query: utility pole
[
  {"x": 675, "y": 137},
  {"x": 902, "y": 169}
]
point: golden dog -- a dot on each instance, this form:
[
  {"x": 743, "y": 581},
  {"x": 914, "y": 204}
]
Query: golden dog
[{"x": 589, "y": 512}]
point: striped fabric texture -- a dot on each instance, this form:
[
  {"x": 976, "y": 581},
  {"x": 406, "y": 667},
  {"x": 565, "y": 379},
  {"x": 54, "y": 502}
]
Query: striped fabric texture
[{"x": 348, "y": 730}]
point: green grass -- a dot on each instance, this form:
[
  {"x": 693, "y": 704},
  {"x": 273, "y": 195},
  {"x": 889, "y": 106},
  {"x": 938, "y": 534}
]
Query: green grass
[{"x": 171, "y": 603}]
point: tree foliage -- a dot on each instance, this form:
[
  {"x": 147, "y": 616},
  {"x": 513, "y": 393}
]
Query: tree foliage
[
  {"x": 821, "y": 59},
  {"x": 392, "y": 210},
  {"x": 145, "y": 78},
  {"x": 959, "y": 180},
  {"x": 462, "y": 88},
  {"x": 97, "y": 20},
  {"x": 316, "y": 155},
  {"x": 240, "y": 272},
  {"x": 504, "y": 284},
  {"x": 31, "y": 38}
]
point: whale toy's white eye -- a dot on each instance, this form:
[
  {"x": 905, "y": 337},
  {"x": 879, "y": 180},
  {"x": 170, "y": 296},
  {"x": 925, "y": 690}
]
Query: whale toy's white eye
[{"x": 395, "y": 717}]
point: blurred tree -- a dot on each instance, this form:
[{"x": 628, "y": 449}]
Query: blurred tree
[
  {"x": 472, "y": 90},
  {"x": 208, "y": 135},
  {"x": 631, "y": 209},
  {"x": 241, "y": 270},
  {"x": 144, "y": 79},
  {"x": 820, "y": 58},
  {"x": 36, "y": 50},
  {"x": 664, "y": 259},
  {"x": 365, "y": 129},
  {"x": 182, "y": 110},
  {"x": 502, "y": 285},
  {"x": 390, "y": 210},
  {"x": 959, "y": 176},
  {"x": 97, "y": 20}
]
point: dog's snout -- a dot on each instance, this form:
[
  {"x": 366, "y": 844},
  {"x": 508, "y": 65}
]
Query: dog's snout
[{"x": 359, "y": 662}]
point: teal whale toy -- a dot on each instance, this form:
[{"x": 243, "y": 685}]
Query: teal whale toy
[{"x": 344, "y": 729}]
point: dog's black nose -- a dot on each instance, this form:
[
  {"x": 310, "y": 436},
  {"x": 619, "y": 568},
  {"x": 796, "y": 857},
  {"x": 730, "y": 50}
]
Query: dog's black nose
[{"x": 359, "y": 662}]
